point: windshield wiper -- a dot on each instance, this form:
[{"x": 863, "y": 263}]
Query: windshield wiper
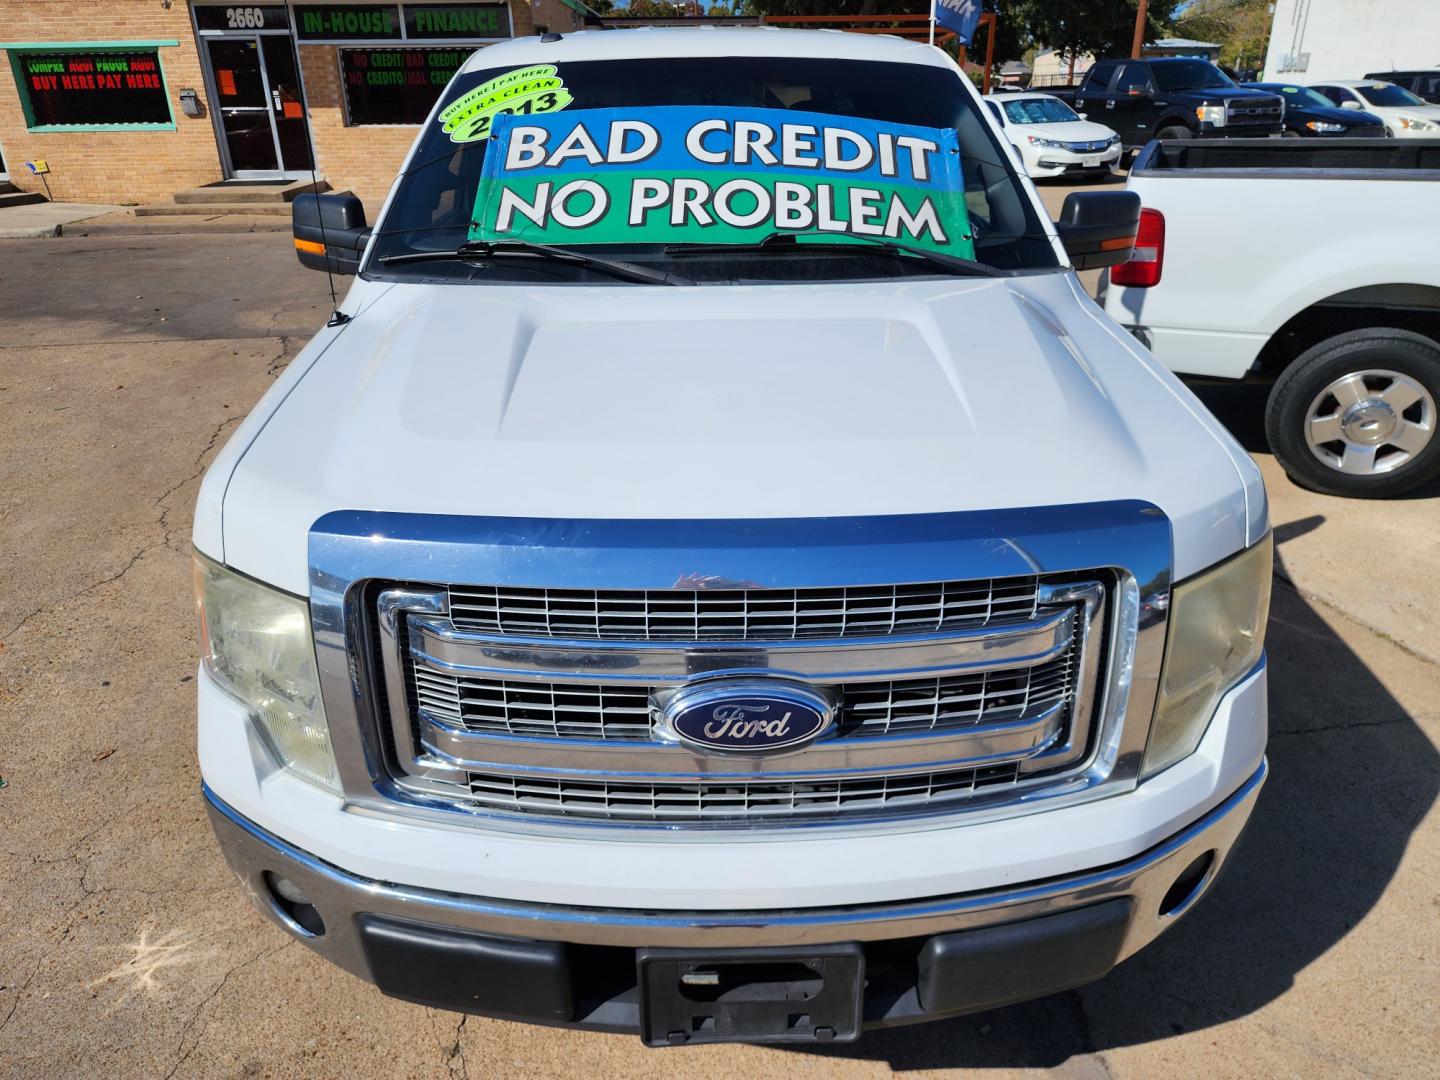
[
  {"x": 787, "y": 242},
  {"x": 477, "y": 250}
]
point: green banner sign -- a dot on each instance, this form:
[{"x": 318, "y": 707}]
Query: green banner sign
[
  {"x": 693, "y": 174},
  {"x": 424, "y": 21},
  {"x": 347, "y": 22}
]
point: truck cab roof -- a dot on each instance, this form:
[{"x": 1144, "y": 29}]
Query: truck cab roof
[{"x": 649, "y": 42}]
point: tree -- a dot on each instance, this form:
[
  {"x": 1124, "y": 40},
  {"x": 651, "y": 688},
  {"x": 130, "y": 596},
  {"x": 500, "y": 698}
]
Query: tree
[
  {"x": 836, "y": 7},
  {"x": 1240, "y": 27},
  {"x": 1102, "y": 28},
  {"x": 1011, "y": 40},
  {"x": 655, "y": 9}
]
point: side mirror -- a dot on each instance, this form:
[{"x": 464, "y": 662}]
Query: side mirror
[
  {"x": 1350, "y": 104},
  {"x": 1083, "y": 116},
  {"x": 1098, "y": 227},
  {"x": 330, "y": 231}
]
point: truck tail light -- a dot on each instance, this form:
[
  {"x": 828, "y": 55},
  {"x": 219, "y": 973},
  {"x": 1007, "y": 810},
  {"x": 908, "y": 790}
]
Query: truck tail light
[{"x": 1143, "y": 269}]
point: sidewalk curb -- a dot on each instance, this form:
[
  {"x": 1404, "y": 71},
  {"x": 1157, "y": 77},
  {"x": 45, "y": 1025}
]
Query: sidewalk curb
[
  {"x": 153, "y": 226},
  {"x": 31, "y": 233}
]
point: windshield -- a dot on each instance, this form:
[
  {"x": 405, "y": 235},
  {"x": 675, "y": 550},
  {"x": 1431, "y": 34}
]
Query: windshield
[
  {"x": 1388, "y": 95},
  {"x": 433, "y": 207},
  {"x": 1299, "y": 96},
  {"x": 1190, "y": 75},
  {"x": 1043, "y": 110}
]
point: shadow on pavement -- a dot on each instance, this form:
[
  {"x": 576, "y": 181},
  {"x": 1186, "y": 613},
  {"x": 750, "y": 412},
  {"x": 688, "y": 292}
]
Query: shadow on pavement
[
  {"x": 1240, "y": 406},
  {"x": 1352, "y": 776},
  {"x": 1115, "y": 179}
]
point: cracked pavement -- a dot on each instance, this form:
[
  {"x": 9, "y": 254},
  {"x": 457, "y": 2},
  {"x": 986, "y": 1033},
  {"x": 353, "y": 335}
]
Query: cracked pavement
[{"x": 128, "y": 950}]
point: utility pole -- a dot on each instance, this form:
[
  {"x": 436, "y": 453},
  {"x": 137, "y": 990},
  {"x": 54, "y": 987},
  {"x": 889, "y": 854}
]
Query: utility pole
[{"x": 1139, "y": 41}]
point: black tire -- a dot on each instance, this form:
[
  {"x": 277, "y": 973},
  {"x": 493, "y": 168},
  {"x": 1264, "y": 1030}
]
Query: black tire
[
  {"x": 1377, "y": 348},
  {"x": 1173, "y": 132}
]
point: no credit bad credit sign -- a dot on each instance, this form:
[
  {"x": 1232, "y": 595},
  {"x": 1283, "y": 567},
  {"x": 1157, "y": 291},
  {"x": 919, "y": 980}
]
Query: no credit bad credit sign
[{"x": 692, "y": 174}]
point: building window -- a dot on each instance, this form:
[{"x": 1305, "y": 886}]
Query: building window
[
  {"x": 396, "y": 86},
  {"x": 94, "y": 86}
]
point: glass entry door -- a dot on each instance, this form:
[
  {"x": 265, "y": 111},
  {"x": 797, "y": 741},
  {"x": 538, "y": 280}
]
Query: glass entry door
[
  {"x": 262, "y": 112},
  {"x": 287, "y": 103}
]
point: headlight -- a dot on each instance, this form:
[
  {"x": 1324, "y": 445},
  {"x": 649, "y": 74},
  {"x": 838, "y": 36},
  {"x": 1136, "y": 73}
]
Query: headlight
[
  {"x": 1216, "y": 635},
  {"x": 256, "y": 643},
  {"x": 1211, "y": 114},
  {"x": 1411, "y": 123},
  {"x": 1049, "y": 144},
  {"x": 1113, "y": 139},
  {"x": 1321, "y": 125}
]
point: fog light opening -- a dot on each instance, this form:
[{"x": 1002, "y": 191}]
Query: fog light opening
[
  {"x": 293, "y": 906},
  {"x": 1187, "y": 887}
]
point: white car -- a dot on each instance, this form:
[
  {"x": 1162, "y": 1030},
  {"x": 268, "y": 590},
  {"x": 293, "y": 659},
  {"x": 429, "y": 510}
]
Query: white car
[
  {"x": 1053, "y": 139},
  {"x": 1406, "y": 116},
  {"x": 687, "y": 627}
]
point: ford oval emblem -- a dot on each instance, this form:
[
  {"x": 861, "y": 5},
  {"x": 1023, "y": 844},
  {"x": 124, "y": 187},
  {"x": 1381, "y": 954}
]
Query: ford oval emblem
[{"x": 749, "y": 716}]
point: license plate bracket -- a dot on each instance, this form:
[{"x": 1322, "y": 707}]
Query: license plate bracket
[{"x": 780, "y": 995}]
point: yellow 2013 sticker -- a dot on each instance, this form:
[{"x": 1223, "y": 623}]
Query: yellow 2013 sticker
[{"x": 526, "y": 90}]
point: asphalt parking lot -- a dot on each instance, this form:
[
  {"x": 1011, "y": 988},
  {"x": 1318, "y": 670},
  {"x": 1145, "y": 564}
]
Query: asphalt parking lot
[{"x": 128, "y": 950}]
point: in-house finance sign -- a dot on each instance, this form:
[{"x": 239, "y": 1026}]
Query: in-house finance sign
[{"x": 733, "y": 176}]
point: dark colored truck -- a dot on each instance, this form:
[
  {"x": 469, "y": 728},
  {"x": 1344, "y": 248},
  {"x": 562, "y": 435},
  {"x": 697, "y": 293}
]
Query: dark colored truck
[
  {"x": 1174, "y": 98},
  {"x": 1424, "y": 83}
]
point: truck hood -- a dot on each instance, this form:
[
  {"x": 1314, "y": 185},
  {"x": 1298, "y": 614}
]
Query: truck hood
[
  {"x": 1226, "y": 93},
  {"x": 723, "y": 402}
]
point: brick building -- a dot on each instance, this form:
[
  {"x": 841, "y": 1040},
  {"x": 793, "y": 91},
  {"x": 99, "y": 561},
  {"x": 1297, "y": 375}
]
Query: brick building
[{"x": 128, "y": 101}]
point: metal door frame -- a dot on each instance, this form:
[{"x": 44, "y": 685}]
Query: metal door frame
[{"x": 202, "y": 39}]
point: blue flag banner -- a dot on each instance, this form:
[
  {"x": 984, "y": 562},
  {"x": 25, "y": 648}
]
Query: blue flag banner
[{"x": 961, "y": 16}]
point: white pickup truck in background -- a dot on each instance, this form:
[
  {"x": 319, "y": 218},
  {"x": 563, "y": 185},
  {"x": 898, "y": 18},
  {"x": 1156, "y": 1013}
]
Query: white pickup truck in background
[{"x": 1310, "y": 265}]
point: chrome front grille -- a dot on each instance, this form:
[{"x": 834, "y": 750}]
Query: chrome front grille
[
  {"x": 959, "y": 701},
  {"x": 698, "y": 610},
  {"x": 509, "y": 707},
  {"x": 983, "y": 663},
  {"x": 1255, "y": 113},
  {"x": 727, "y": 801},
  {"x": 543, "y": 710},
  {"x": 546, "y": 703}
]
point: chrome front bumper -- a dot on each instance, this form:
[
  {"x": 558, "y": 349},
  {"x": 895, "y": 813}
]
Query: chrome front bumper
[{"x": 1158, "y": 887}]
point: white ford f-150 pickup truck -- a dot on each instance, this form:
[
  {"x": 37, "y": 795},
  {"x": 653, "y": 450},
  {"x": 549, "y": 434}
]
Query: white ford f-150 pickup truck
[
  {"x": 1309, "y": 265},
  {"x": 717, "y": 575}
]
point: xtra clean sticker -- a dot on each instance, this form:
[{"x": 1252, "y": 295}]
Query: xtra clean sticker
[{"x": 524, "y": 91}]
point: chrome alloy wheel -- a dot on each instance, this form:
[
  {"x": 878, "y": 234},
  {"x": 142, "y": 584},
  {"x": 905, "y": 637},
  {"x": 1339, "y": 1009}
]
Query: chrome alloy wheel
[{"x": 1369, "y": 422}]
